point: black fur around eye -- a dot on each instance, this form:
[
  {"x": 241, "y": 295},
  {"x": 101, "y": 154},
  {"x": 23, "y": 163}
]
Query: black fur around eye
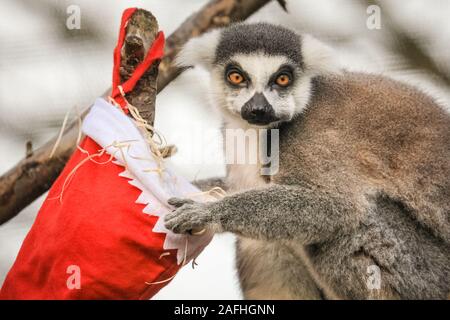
[
  {"x": 235, "y": 76},
  {"x": 283, "y": 78}
]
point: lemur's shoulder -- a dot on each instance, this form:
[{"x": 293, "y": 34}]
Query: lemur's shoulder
[
  {"x": 366, "y": 89},
  {"x": 373, "y": 105},
  {"x": 392, "y": 119}
]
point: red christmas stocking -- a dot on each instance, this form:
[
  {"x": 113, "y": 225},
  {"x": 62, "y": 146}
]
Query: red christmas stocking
[{"x": 100, "y": 232}]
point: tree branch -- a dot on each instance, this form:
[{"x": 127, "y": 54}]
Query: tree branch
[
  {"x": 141, "y": 31},
  {"x": 34, "y": 175}
]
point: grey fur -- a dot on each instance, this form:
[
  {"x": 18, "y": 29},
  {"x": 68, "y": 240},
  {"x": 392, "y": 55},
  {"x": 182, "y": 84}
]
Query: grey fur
[
  {"x": 208, "y": 184},
  {"x": 363, "y": 181},
  {"x": 259, "y": 37}
]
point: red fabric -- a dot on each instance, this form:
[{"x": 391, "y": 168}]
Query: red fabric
[
  {"x": 97, "y": 227},
  {"x": 155, "y": 53}
]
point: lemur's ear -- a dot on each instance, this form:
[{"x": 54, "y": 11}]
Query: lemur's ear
[
  {"x": 318, "y": 57},
  {"x": 199, "y": 51}
]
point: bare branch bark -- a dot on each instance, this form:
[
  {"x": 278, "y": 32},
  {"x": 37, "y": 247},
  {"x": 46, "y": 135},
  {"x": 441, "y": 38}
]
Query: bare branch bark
[
  {"x": 141, "y": 31},
  {"x": 34, "y": 175}
]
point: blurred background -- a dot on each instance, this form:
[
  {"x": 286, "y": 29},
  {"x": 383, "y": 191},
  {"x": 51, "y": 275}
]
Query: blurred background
[{"x": 47, "y": 69}]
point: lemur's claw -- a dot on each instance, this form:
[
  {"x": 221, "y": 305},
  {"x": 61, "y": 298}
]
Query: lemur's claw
[{"x": 188, "y": 216}]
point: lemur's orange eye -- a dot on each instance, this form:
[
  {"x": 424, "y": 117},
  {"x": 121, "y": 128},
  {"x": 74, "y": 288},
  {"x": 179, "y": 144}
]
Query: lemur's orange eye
[
  {"x": 283, "y": 80},
  {"x": 235, "y": 78}
]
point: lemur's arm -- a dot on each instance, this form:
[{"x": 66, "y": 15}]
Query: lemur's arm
[{"x": 276, "y": 212}]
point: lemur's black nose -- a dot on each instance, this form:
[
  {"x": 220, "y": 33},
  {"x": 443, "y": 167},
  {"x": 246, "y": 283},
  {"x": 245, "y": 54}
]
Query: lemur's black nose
[{"x": 258, "y": 110}]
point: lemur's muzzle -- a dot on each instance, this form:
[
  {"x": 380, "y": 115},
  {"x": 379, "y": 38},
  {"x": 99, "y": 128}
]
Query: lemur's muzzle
[{"x": 258, "y": 110}]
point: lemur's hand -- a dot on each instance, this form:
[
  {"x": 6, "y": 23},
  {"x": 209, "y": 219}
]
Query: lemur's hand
[{"x": 189, "y": 217}]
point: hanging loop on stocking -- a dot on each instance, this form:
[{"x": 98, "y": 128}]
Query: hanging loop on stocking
[{"x": 119, "y": 90}]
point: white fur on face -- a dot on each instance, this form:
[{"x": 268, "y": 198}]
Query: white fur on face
[
  {"x": 318, "y": 59},
  {"x": 260, "y": 68}
]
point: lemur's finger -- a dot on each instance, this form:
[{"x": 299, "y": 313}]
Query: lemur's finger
[{"x": 178, "y": 202}]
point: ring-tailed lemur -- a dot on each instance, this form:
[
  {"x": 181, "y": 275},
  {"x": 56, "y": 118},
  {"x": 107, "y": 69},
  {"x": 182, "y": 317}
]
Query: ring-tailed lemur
[{"x": 361, "y": 203}]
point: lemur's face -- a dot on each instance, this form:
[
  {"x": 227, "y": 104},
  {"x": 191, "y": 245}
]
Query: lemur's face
[
  {"x": 260, "y": 73},
  {"x": 261, "y": 89}
]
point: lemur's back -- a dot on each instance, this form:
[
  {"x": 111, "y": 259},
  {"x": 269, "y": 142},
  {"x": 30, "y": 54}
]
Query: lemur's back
[{"x": 384, "y": 147}]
